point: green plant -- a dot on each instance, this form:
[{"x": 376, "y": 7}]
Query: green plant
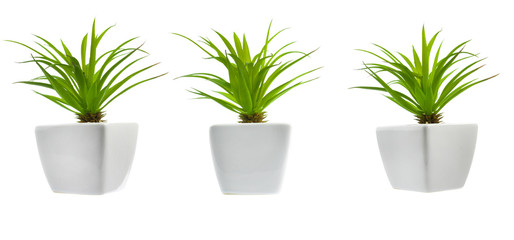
[
  {"x": 86, "y": 87},
  {"x": 430, "y": 85},
  {"x": 249, "y": 78}
]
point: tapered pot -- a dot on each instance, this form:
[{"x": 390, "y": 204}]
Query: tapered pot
[
  {"x": 87, "y": 158},
  {"x": 427, "y": 157},
  {"x": 249, "y": 158}
]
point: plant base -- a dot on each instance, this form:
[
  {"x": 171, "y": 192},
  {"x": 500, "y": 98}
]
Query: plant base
[
  {"x": 429, "y": 119},
  {"x": 252, "y": 118},
  {"x": 91, "y": 117}
]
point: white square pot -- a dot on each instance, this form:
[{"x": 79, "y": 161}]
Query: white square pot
[
  {"x": 249, "y": 158},
  {"x": 87, "y": 158},
  {"x": 427, "y": 157}
]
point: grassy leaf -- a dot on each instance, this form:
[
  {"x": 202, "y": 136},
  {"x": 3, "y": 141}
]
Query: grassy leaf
[
  {"x": 81, "y": 89},
  {"x": 421, "y": 79},
  {"x": 249, "y": 77}
]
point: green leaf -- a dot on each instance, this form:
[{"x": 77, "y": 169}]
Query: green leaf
[
  {"x": 115, "y": 87},
  {"x": 56, "y": 100},
  {"x": 130, "y": 87},
  {"x": 37, "y": 84}
]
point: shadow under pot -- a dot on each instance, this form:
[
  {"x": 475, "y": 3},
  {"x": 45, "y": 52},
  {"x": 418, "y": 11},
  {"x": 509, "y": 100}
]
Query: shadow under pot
[
  {"x": 249, "y": 158},
  {"x": 87, "y": 158},
  {"x": 427, "y": 157}
]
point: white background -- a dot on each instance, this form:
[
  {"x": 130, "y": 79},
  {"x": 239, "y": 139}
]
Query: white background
[{"x": 335, "y": 186}]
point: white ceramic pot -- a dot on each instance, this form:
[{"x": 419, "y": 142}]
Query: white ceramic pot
[
  {"x": 87, "y": 158},
  {"x": 427, "y": 157},
  {"x": 249, "y": 158}
]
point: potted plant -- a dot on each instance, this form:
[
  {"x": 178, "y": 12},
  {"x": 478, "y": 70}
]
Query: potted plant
[
  {"x": 430, "y": 156},
  {"x": 249, "y": 158},
  {"x": 92, "y": 156}
]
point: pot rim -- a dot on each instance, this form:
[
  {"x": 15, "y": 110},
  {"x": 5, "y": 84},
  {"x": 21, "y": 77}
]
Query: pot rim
[
  {"x": 87, "y": 124},
  {"x": 428, "y": 125},
  {"x": 249, "y": 124}
]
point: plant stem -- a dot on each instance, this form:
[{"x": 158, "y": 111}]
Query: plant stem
[
  {"x": 91, "y": 117},
  {"x": 429, "y": 119},
  {"x": 252, "y": 118}
]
